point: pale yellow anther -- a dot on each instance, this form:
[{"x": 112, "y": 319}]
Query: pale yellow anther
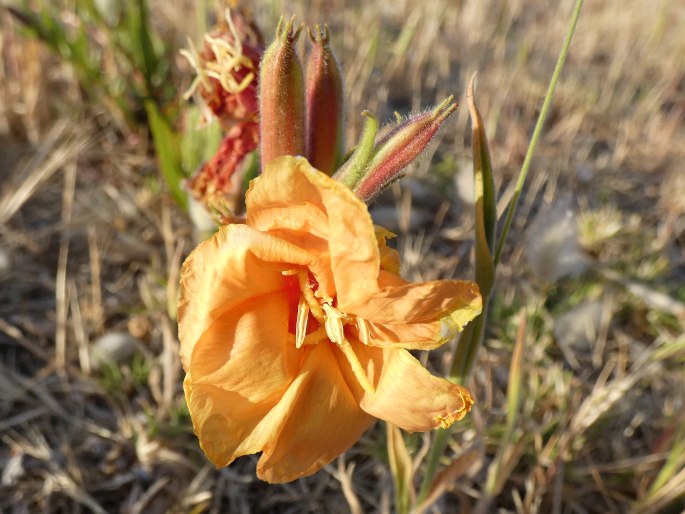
[
  {"x": 301, "y": 326},
  {"x": 194, "y": 59},
  {"x": 363, "y": 328},
  {"x": 334, "y": 324}
]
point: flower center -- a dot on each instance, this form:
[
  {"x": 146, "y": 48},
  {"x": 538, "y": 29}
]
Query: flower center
[{"x": 314, "y": 318}]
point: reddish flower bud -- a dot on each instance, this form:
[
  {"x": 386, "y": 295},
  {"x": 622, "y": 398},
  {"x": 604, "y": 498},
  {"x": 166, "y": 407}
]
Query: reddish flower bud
[
  {"x": 281, "y": 97},
  {"x": 324, "y": 99},
  {"x": 219, "y": 182},
  {"x": 393, "y": 152},
  {"x": 227, "y": 68}
]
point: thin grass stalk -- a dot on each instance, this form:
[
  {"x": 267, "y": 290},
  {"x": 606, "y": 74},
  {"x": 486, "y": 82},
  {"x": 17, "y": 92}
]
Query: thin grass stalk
[{"x": 538, "y": 130}]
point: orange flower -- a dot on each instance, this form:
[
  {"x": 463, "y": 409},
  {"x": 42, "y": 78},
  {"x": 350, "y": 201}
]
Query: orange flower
[{"x": 295, "y": 326}]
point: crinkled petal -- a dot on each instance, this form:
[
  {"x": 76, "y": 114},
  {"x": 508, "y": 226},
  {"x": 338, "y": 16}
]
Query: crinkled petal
[
  {"x": 406, "y": 394},
  {"x": 418, "y": 316},
  {"x": 390, "y": 258},
  {"x": 248, "y": 350},
  {"x": 235, "y": 264},
  {"x": 325, "y": 420},
  {"x": 340, "y": 217},
  {"x": 228, "y": 425},
  {"x": 430, "y": 329}
]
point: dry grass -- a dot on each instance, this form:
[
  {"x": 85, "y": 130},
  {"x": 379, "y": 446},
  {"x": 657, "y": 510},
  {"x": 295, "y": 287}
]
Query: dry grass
[{"x": 90, "y": 246}]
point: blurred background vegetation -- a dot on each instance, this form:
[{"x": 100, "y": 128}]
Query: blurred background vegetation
[{"x": 95, "y": 138}]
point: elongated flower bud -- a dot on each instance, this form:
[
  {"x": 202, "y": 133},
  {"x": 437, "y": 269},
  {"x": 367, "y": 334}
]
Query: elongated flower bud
[
  {"x": 399, "y": 148},
  {"x": 324, "y": 105},
  {"x": 281, "y": 97}
]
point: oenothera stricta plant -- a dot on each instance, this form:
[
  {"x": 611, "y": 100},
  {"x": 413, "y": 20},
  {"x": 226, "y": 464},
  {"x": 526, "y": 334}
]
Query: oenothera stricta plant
[{"x": 296, "y": 326}]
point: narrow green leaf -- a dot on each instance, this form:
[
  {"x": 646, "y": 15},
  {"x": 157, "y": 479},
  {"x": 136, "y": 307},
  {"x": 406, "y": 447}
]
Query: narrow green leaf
[
  {"x": 146, "y": 47},
  {"x": 473, "y": 333},
  {"x": 485, "y": 202},
  {"x": 674, "y": 462},
  {"x": 167, "y": 149}
]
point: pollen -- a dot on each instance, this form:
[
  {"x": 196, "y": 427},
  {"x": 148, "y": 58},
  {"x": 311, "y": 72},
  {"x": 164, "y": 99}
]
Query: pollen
[{"x": 446, "y": 420}]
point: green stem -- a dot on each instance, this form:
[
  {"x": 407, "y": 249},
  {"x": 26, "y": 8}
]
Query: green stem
[{"x": 538, "y": 130}]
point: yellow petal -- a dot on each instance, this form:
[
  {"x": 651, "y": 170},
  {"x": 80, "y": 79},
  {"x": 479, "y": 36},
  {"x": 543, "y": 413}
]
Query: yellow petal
[
  {"x": 223, "y": 421},
  {"x": 324, "y": 422},
  {"x": 235, "y": 264},
  {"x": 418, "y": 316},
  {"x": 248, "y": 350},
  {"x": 399, "y": 301},
  {"x": 406, "y": 394},
  {"x": 228, "y": 425},
  {"x": 390, "y": 258},
  {"x": 340, "y": 218}
]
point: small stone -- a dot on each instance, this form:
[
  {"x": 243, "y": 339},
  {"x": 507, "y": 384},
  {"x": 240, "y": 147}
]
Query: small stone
[
  {"x": 464, "y": 182},
  {"x": 578, "y": 327},
  {"x": 553, "y": 251},
  {"x": 112, "y": 348}
]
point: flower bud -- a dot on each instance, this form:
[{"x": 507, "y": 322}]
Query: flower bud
[
  {"x": 324, "y": 105},
  {"x": 281, "y": 97},
  {"x": 393, "y": 152}
]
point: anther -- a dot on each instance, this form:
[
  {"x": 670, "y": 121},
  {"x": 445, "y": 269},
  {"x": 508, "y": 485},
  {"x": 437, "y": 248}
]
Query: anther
[
  {"x": 301, "y": 326},
  {"x": 334, "y": 324},
  {"x": 363, "y": 328}
]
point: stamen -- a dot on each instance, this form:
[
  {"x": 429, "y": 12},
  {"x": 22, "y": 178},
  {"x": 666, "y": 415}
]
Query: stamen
[
  {"x": 321, "y": 295},
  {"x": 363, "y": 328},
  {"x": 301, "y": 326},
  {"x": 195, "y": 62},
  {"x": 356, "y": 366},
  {"x": 229, "y": 58},
  {"x": 318, "y": 313},
  {"x": 334, "y": 324}
]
